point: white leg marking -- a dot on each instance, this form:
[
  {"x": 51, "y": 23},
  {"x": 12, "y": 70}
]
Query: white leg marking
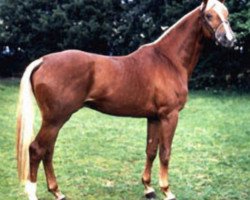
[
  {"x": 148, "y": 190},
  {"x": 169, "y": 195},
  {"x": 30, "y": 190},
  {"x": 60, "y": 196}
]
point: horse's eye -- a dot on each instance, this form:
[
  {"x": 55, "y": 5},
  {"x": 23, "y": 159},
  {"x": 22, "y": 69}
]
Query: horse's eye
[{"x": 209, "y": 16}]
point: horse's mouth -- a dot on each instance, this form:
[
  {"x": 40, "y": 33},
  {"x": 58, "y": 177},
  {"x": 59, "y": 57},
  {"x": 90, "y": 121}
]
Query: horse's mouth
[{"x": 222, "y": 40}]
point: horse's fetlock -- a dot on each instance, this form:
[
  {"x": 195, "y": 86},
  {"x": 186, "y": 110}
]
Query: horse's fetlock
[
  {"x": 146, "y": 181},
  {"x": 53, "y": 188}
]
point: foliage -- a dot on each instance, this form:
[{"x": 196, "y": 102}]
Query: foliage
[
  {"x": 33, "y": 28},
  {"x": 41, "y": 27},
  {"x": 102, "y": 157}
]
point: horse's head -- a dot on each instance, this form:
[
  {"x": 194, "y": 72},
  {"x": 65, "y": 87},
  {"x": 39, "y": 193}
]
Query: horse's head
[{"x": 215, "y": 22}]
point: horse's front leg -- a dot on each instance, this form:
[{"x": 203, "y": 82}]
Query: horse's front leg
[
  {"x": 168, "y": 126},
  {"x": 151, "y": 151}
]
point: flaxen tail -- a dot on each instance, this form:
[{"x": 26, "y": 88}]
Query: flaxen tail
[{"x": 25, "y": 118}]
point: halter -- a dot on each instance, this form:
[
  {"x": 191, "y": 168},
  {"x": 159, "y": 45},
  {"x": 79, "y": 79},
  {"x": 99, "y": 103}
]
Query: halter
[{"x": 214, "y": 31}]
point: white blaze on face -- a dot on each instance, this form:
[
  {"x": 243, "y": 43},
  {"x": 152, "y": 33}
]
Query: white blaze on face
[{"x": 229, "y": 33}]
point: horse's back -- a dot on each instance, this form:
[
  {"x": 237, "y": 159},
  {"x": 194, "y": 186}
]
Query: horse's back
[{"x": 68, "y": 80}]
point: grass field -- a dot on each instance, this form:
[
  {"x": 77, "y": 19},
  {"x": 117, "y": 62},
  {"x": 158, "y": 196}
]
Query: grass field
[{"x": 102, "y": 157}]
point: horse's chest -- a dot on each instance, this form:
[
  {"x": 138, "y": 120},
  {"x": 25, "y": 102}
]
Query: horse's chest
[{"x": 169, "y": 98}]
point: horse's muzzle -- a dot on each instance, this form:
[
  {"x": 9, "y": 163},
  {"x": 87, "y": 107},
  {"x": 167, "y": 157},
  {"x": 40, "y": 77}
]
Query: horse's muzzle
[
  {"x": 224, "y": 41},
  {"x": 225, "y": 36}
]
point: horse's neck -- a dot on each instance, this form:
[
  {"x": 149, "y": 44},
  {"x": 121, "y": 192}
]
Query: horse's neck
[{"x": 181, "y": 44}]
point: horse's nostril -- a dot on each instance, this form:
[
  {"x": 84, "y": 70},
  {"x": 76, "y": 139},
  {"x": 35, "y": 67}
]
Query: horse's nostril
[{"x": 224, "y": 37}]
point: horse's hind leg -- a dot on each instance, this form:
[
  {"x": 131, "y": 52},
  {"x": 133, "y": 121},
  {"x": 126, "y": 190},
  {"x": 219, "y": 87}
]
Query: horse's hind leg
[
  {"x": 49, "y": 170},
  {"x": 151, "y": 151},
  {"x": 50, "y": 175},
  {"x": 42, "y": 149}
]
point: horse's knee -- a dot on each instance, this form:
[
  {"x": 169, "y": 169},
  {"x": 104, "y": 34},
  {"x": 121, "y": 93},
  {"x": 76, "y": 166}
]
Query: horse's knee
[
  {"x": 56, "y": 192},
  {"x": 151, "y": 156},
  {"x": 53, "y": 188},
  {"x": 165, "y": 157},
  {"x": 164, "y": 161}
]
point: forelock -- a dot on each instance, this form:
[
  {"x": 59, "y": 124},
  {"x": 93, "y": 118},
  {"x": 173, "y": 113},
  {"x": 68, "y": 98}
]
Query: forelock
[
  {"x": 215, "y": 3},
  {"x": 217, "y": 6}
]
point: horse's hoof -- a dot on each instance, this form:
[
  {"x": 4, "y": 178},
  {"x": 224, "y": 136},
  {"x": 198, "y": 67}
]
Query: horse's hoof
[
  {"x": 150, "y": 196},
  {"x": 61, "y": 198},
  {"x": 170, "y": 196}
]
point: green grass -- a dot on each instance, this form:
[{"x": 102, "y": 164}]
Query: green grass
[{"x": 102, "y": 157}]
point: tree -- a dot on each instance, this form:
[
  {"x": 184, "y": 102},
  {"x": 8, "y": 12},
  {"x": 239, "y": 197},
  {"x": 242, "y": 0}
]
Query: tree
[
  {"x": 41, "y": 27},
  {"x": 117, "y": 27}
]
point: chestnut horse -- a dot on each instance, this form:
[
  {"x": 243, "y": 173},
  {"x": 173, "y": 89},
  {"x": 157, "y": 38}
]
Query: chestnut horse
[{"x": 151, "y": 82}]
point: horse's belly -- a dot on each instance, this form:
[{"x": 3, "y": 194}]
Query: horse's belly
[{"x": 122, "y": 108}]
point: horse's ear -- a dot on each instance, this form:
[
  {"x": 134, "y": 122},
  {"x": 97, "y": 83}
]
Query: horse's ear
[
  {"x": 204, "y": 4},
  {"x": 205, "y": 1}
]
